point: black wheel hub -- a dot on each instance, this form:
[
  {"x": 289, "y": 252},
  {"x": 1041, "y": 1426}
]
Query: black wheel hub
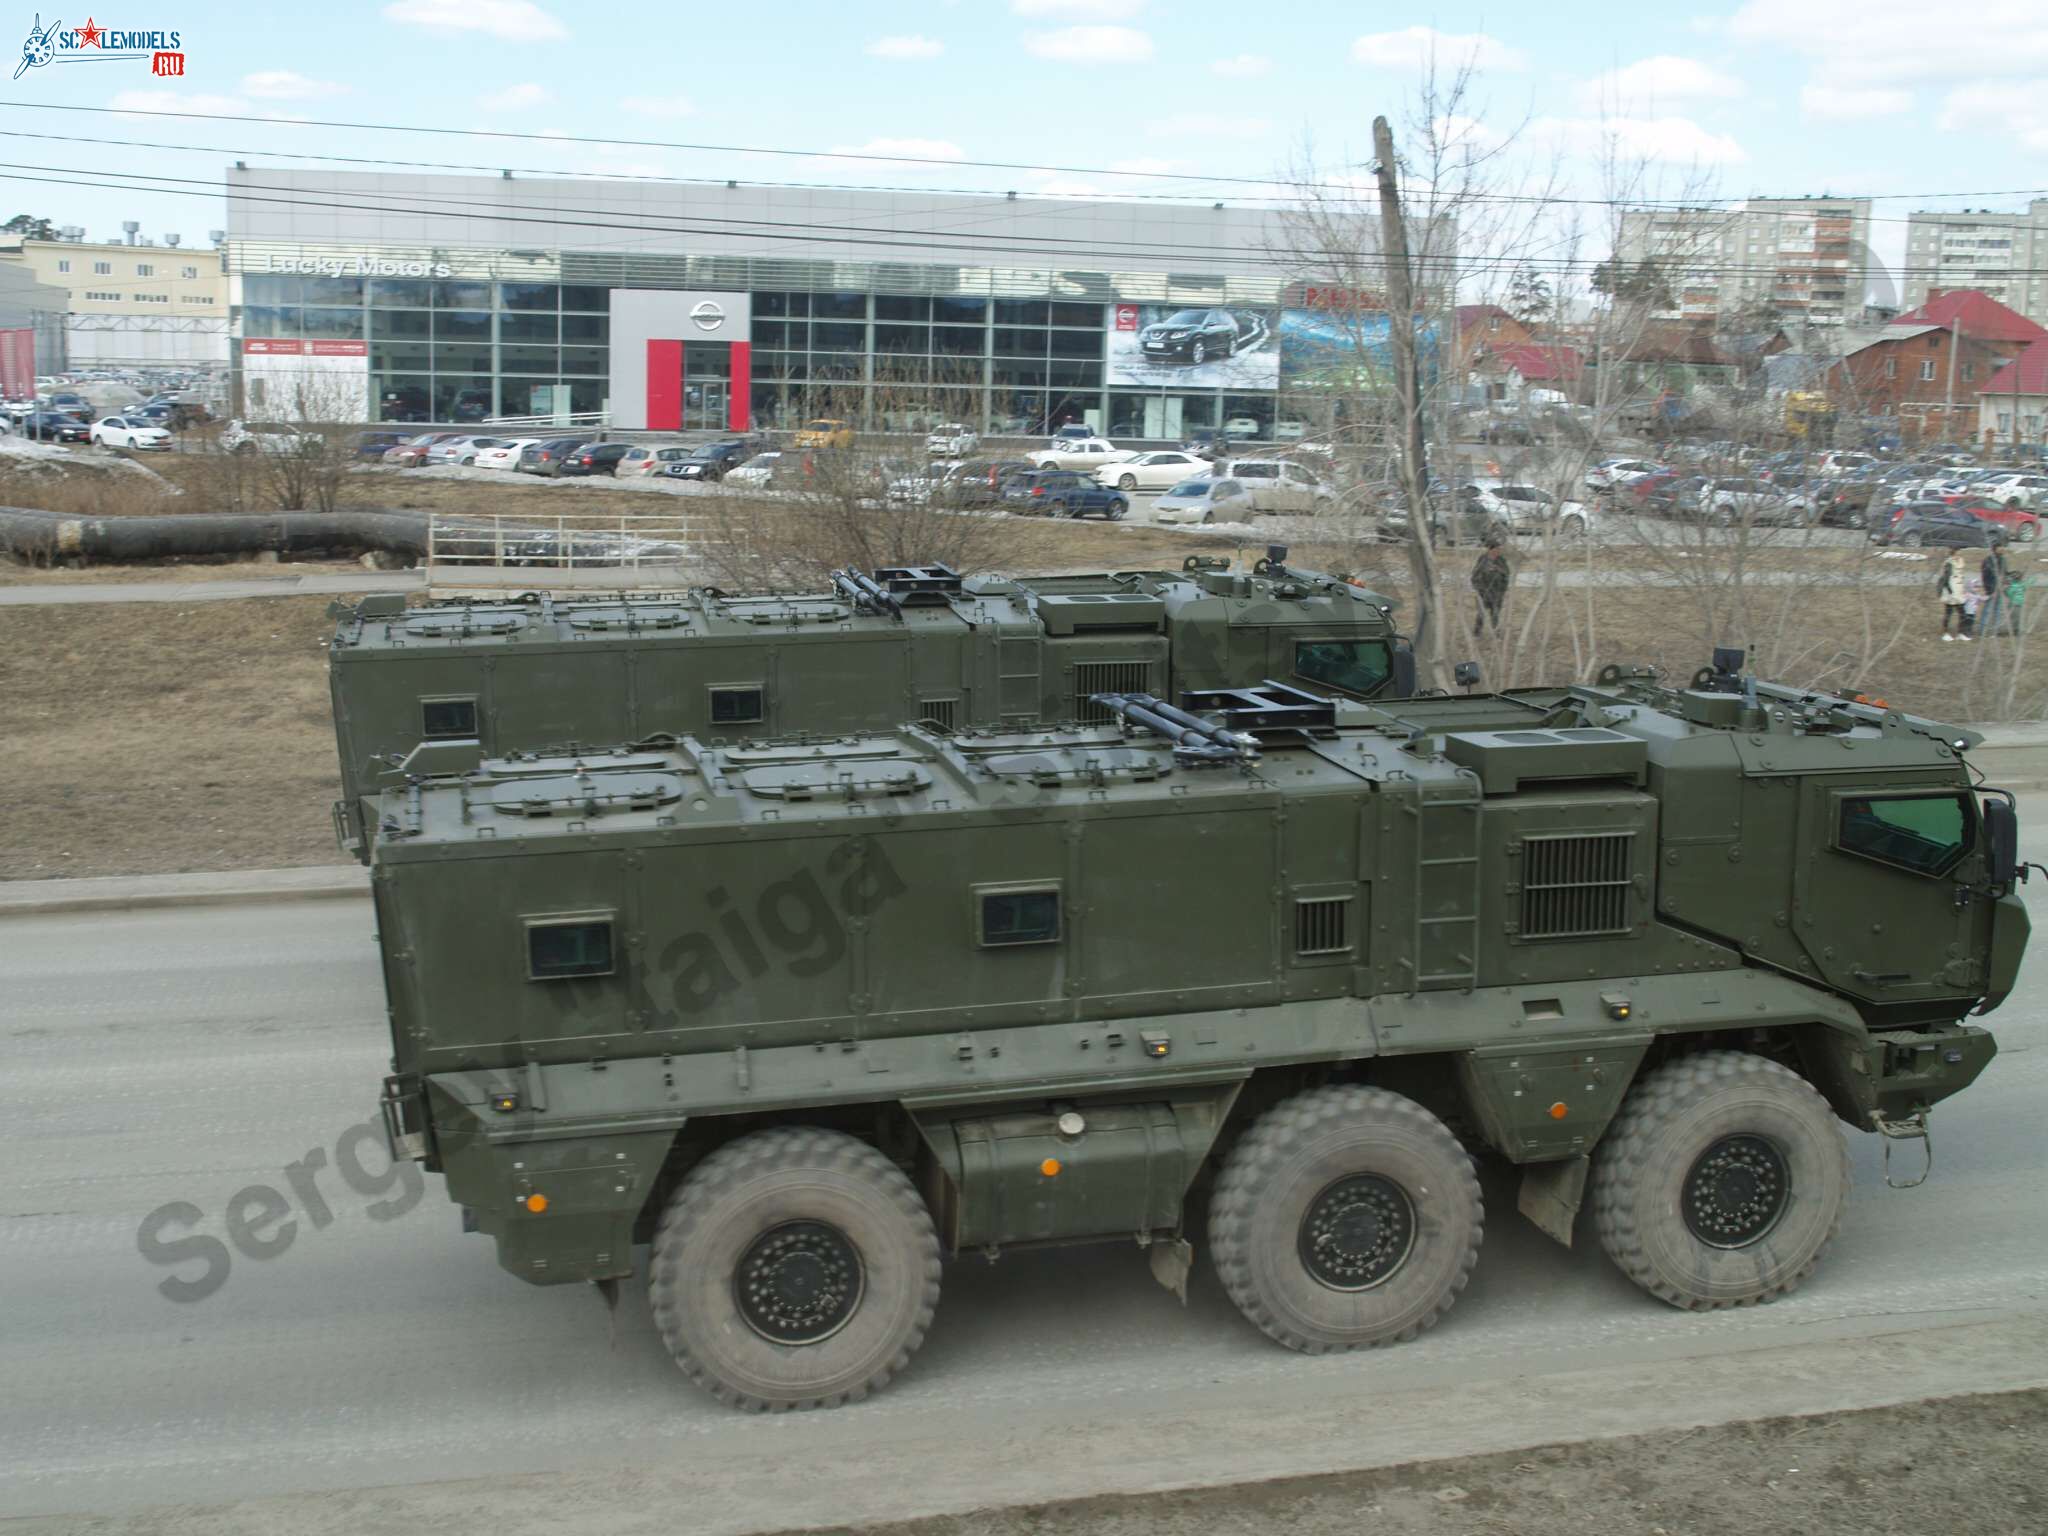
[
  {"x": 1357, "y": 1232},
  {"x": 799, "y": 1282},
  {"x": 1736, "y": 1191}
]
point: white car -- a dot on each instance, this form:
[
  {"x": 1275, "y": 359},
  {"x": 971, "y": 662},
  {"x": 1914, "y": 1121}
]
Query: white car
[
  {"x": 2016, "y": 492},
  {"x": 1078, "y": 453},
  {"x": 1526, "y": 508},
  {"x": 1205, "y": 499},
  {"x": 1242, "y": 426},
  {"x": 1289, "y": 431},
  {"x": 952, "y": 441},
  {"x": 756, "y": 472},
  {"x": 1613, "y": 474},
  {"x": 239, "y": 436},
  {"x": 504, "y": 452},
  {"x": 1151, "y": 471},
  {"x": 1277, "y": 485},
  {"x": 119, "y": 432}
]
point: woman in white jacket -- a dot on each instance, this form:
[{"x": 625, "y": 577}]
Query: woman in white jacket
[{"x": 1953, "y": 583}]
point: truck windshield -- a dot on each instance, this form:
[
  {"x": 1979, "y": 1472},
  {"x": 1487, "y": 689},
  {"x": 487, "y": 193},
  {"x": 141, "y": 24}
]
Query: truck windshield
[{"x": 1355, "y": 666}]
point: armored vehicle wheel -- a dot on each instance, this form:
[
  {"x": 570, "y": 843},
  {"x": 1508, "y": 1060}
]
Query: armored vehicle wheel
[
  {"x": 1346, "y": 1217},
  {"x": 794, "y": 1268},
  {"x": 1721, "y": 1182}
]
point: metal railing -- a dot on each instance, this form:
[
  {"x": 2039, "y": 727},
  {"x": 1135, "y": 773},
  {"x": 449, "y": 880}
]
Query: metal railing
[{"x": 601, "y": 546}]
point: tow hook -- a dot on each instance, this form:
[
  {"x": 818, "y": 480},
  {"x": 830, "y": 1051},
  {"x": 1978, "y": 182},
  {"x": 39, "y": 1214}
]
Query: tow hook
[{"x": 1912, "y": 1128}]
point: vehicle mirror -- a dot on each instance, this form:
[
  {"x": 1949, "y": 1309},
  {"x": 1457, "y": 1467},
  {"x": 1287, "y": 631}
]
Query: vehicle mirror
[
  {"x": 1404, "y": 669},
  {"x": 2001, "y": 841}
]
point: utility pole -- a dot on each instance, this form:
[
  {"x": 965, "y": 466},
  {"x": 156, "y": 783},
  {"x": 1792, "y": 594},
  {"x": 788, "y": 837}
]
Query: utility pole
[
  {"x": 1948, "y": 408},
  {"x": 1429, "y": 645}
]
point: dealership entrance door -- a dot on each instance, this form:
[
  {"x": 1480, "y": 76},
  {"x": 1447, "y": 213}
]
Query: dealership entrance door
[
  {"x": 707, "y": 386},
  {"x": 697, "y": 386}
]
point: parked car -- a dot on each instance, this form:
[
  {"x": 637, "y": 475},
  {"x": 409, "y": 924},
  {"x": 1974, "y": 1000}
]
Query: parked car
[
  {"x": 2016, "y": 489},
  {"x": 1509, "y": 428},
  {"x": 1073, "y": 429},
  {"x": 1205, "y": 499},
  {"x": 824, "y": 432},
  {"x": 120, "y": 432},
  {"x": 1525, "y": 509},
  {"x": 1151, "y": 471},
  {"x": 1278, "y": 485},
  {"x": 1243, "y": 426},
  {"x": 595, "y": 459},
  {"x": 710, "y": 461},
  {"x": 651, "y": 459},
  {"x": 1064, "y": 493},
  {"x": 545, "y": 457},
  {"x": 758, "y": 471},
  {"x": 1288, "y": 431},
  {"x": 412, "y": 453},
  {"x": 951, "y": 441},
  {"x": 1935, "y": 523},
  {"x": 459, "y": 449},
  {"x": 1195, "y": 335},
  {"x": 374, "y": 445},
  {"x": 1078, "y": 453},
  {"x": 980, "y": 482},
  {"x": 2018, "y": 525},
  {"x": 268, "y": 437},
  {"x": 503, "y": 453},
  {"x": 1610, "y": 475},
  {"x": 1737, "y": 500}
]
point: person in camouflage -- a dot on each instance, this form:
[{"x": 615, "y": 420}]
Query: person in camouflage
[{"x": 1490, "y": 578}]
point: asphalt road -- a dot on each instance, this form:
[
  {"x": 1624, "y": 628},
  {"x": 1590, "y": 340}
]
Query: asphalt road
[{"x": 186, "y": 1054}]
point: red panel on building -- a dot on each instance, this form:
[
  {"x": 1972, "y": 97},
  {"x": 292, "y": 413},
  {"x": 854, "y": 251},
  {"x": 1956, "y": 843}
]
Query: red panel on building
[
  {"x": 664, "y": 386},
  {"x": 18, "y": 362},
  {"x": 738, "y": 413}
]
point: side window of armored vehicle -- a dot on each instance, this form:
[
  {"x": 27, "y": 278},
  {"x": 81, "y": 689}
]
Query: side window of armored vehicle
[
  {"x": 1927, "y": 834},
  {"x": 738, "y": 704},
  {"x": 1356, "y": 666},
  {"x": 558, "y": 948},
  {"x": 445, "y": 719},
  {"x": 1016, "y": 914}
]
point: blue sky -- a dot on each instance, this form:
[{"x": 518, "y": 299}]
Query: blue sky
[{"x": 1926, "y": 106}]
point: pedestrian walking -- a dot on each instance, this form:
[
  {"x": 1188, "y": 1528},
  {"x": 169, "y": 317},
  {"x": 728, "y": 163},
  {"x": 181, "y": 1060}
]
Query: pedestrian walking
[
  {"x": 1952, "y": 585},
  {"x": 1490, "y": 579},
  {"x": 1995, "y": 616}
]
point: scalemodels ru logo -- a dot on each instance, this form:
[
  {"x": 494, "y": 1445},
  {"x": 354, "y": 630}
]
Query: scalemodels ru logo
[{"x": 95, "y": 44}]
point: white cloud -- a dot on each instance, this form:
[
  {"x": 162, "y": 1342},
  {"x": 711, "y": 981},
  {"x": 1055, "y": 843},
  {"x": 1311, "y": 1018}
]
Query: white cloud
[
  {"x": 1209, "y": 125},
  {"x": 1091, "y": 45},
  {"x": 910, "y": 46},
  {"x": 1148, "y": 165},
  {"x": 288, "y": 85},
  {"x": 1661, "y": 81},
  {"x": 516, "y": 97},
  {"x": 1844, "y": 103},
  {"x": 2020, "y": 110},
  {"x": 915, "y": 149},
  {"x": 1415, "y": 47},
  {"x": 514, "y": 21},
  {"x": 178, "y": 101},
  {"x": 658, "y": 106},
  {"x": 1468, "y": 133},
  {"x": 1241, "y": 66},
  {"x": 1099, "y": 10},
  {"x": 1664, "y": 140}
]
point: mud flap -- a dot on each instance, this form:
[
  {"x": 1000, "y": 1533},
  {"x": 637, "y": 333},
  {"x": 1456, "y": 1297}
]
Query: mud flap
[
  {"x": 1551, "y": 1193},
  {"x": 1172, "y": 1259}
]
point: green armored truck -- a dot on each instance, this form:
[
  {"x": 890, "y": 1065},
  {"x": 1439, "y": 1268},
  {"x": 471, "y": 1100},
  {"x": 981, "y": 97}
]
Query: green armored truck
[
  {"x": 812, "y": 1016},
  {"x": 905, "y": 644}
]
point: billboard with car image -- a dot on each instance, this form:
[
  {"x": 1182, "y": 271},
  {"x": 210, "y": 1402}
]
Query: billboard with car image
[{"x": 1195, "y": 346}]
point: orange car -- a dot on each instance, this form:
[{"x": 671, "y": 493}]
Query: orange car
[{"x": 825, "y": 432}]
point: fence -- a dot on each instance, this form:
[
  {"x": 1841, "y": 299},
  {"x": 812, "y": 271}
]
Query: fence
[{"x": 599, "y": 548}]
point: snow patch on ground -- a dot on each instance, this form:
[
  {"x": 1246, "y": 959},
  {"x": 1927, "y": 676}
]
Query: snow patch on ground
[{"x": 27, "y": 455}]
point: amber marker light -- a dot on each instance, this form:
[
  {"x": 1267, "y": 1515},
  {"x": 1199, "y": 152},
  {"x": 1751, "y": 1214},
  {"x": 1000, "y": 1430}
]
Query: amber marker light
[
  {"x": 536, "y": 1203},
  {"x": 1558, "y": 1111},
  {"x": 1049, "y": 1167}
]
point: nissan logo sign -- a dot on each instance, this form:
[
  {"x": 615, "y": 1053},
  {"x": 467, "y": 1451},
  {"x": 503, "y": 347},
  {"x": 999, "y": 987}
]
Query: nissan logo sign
[{"x": 707, "y": 316}]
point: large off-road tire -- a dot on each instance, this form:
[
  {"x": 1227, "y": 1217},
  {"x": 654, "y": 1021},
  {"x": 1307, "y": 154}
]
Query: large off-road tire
[
  {"x": 1346, "y": 1217},
  {"x": 1721, "y": 1182},
  {"x": 794, "y": 1268}
]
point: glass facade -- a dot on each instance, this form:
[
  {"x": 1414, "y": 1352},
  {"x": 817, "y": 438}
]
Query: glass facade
[{"x": 465, "y": 349}]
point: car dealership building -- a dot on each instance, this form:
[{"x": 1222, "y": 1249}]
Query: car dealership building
[{"x": 671, "y": 306}]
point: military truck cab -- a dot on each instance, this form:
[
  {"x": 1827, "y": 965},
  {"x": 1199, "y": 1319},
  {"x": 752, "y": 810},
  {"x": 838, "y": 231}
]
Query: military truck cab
[{"x": 810, "y": 1017}]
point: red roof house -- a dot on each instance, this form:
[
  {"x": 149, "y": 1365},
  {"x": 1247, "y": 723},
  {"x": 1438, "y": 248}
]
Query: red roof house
[{"x": 1974, "y": 314}]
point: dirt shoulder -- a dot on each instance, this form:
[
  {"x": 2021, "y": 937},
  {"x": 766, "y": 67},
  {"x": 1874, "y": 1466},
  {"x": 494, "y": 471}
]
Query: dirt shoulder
[
  {"x": 152, "y": 737},
  {"x": 1967, "y": 1464}
]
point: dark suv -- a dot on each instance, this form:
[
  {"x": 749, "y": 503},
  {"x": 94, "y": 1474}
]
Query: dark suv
[
  {"x": 710, "y": 461},
  {"x": 593, "y": 459},
  {"x": 545, "y": 458},
  {"x": 1191, "y": 335},
  {"x": 1064, "y": 493}
]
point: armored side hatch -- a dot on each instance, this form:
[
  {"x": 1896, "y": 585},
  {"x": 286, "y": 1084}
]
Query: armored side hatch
[
  {"x": 626, "y": 617},
  {"x": 1506, "y": 760},
  {"x": 457, "y": 623},
  {"x": 585, "y": 794},
  {"x": 1076, "y": 613}
]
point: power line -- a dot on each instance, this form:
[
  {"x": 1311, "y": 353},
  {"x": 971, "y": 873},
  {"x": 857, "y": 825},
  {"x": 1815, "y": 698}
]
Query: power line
[{"x": 1675, "y": 205}]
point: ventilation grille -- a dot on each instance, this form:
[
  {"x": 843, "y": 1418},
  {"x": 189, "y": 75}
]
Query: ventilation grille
[
  {"x": 1092, "y": 677},
  {"x": 938, "y": 712},
  {"x": 1575, "y": 887},
  {"x": 1322, "y": 925}
]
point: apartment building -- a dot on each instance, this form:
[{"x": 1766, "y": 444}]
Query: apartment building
[
  {"x": 2000, "y": 254},
  {"x": 148, "y": 305},
  {"x": 1805, "y": 258}
]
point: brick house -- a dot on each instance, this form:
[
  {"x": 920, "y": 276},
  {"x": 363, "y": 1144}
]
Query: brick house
[
  {"x": 1926, "y": 378},
  {"x": 1487, "y": 325},
  {"x": 1509, "y": 370}
]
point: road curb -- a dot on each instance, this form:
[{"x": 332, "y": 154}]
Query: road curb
[{"x": 128, "y": 893}]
